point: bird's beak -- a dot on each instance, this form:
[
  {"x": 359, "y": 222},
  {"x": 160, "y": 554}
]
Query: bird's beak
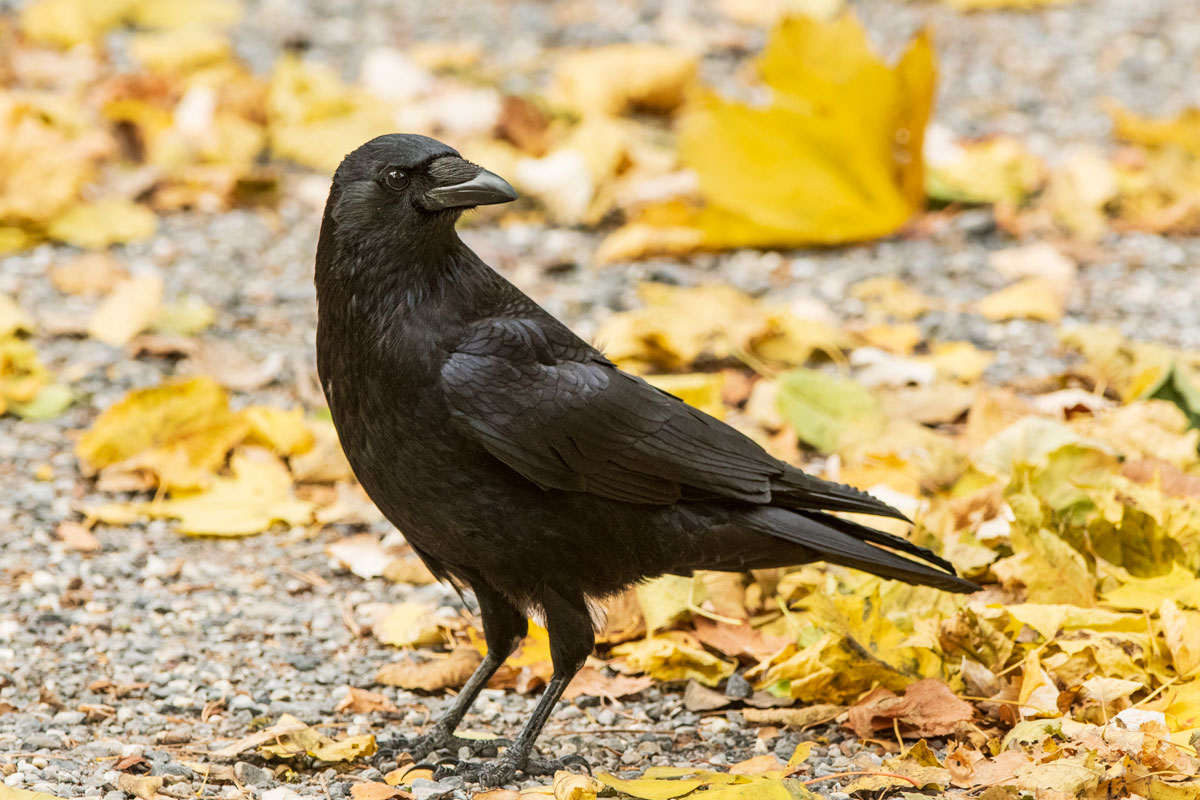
[{"x": 461, "y": 184}]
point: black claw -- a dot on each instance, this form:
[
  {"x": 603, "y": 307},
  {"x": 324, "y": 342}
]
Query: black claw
[{"x": 576, "y": 760}]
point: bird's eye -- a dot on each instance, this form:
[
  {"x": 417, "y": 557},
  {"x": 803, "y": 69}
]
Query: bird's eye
[{"x": 394, "y": 179}]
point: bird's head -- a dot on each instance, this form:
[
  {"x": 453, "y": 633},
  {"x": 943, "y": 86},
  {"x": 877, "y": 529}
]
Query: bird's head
[{"x": 408, "y": 185}]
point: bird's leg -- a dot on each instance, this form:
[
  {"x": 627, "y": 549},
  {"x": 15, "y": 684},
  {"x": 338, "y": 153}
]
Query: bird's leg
[
  {"x": 504, "y": 627},
  {"x": 571, "y": 641}
]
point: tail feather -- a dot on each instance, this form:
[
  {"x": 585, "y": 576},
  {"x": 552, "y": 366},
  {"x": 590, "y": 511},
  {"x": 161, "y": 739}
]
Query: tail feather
[
  {"x": 849, "y": 544},
  {"x": 802, "y": 492}
]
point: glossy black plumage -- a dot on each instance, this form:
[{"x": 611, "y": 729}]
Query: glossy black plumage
[{"x": 516, "y": 458}]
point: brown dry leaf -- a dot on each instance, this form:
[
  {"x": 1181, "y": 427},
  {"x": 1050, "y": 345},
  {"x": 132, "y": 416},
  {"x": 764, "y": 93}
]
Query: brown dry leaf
[
  {"x": 1031, "y": 298},
  {"x": 179, "y": 431},
  {"x": 798, "y": 718},
  {"x": 90, "y": 273},
  {"x": 928, "y": 708},
  {"x": 231, "y": 367},
  {"x": 374, "y": 790},
  {"x": 591, "y": 682},
  {"x": 766, "y": 764},
  {"x": 360, "y": 701},
  {"x": 77, "y": 537},
  {"x": 127, "y": 310},
  {"x": 145, "y": 787},
  {"x": 612, "y": 79},
  {"x": 737, "y": 640},
  {"x": 433, "y": 675}
]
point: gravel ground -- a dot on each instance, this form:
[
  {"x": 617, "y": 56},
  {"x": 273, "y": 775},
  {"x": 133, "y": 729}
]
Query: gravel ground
[{"x": 173, "y": 624}]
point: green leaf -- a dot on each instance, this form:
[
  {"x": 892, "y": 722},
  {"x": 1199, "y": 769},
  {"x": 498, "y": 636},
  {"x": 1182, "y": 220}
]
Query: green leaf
[{"x": 827, "y": 411}]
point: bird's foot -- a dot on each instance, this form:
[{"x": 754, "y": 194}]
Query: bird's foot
[
  {"x": 491, "y": 774},
  {"x": 419, "y": 747}
]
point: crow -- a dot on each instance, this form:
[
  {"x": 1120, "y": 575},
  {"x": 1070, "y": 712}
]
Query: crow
[{"x": 520, "y": 462}]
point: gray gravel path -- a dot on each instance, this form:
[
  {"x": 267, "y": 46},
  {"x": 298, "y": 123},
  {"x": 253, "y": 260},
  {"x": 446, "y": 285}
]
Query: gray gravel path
[{"x": 172, "y": 623}]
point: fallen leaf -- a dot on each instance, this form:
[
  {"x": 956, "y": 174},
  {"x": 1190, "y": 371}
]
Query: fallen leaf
[
  {"x": 231, "y": 367},
  {"x": 850, "y": 127},
  {"x": 102, "y": 223},
  {"x": 829, "y": 412},
  {"x": 127, "y": 311},
  {"x": 77, "y": 537},
  {"x": 362, "y": 554},
  {"x": 674, "y": 656},
  {"x": 1181, "y": 630},
  {"x": 408, "y": 625},
  {"x": 374, "y": 790},
  {"x": 618, "y": 77},
  {"x": 13, "y": 318},
  {"x": 145, "y": 787},
  {"x": 434, "y": 674},
  {"x": 650, "y": 789},
  {"x": 1031, "y": 298},
  {"x": 287, "y": 724},
  {"x": 591, "y": 682},
  {"x": 799, "y": 719},
  {"x": 87, "y": 274},
  {"x": 360, "y": 701},
  {"x": 307, "y": 741},
  {"x": 258, "y": 495},
  {"x": 891, "y": 297},
  {"x": 994, "y": 170},
  {"x": 284, "y": 432},
  {"x": 572, "y": 786},
  {"x": 324, "y": 462},
  {"x": 181, "y": 431},
  {"x": 928, "y": 708}
]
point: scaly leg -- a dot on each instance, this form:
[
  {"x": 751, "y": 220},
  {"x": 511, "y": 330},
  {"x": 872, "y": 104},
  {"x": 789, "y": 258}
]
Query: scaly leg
[
  {"x": 504, "y": 627},
  {"x": 571, "y": 641}
]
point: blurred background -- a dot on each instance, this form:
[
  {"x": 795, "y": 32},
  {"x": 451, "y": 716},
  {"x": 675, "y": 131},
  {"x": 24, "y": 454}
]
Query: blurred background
[{"x": 944, "y": 250}]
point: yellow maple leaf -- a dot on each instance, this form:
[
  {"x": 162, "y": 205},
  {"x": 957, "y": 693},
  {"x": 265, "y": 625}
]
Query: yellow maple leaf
[
  {"x": 285, "y": 432},
  {"x": 258, "y": 495},
  {"x": 674, "y": 656},
  {"x": 180, "y": 431},
  {"x": 102, "y": 223},
  {"x": 848, "y": 128}
]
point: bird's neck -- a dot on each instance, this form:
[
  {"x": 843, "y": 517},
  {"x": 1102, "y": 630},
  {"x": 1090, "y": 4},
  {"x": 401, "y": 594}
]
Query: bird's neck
[{"x": 373, "y": 287}]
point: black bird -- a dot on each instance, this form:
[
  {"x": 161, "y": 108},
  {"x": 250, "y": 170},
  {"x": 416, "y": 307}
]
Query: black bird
[{"x": 516, "y": 458}]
